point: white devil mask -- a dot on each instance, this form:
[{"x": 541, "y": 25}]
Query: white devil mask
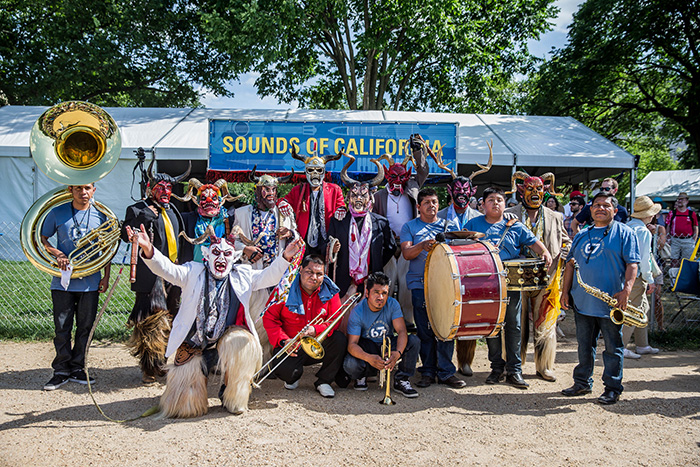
[{"x": 220, "y": 256}]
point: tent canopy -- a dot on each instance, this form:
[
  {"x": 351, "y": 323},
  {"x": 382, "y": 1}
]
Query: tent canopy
[
  {"x": 535, "y": 144},
  {"x": 666, "y": 184}
]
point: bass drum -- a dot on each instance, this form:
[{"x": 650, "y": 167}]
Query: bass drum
[{"x": 465, "y": 290}]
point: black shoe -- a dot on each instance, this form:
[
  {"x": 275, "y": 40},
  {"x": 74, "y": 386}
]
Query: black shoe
[
  {"x": 425, "y": 381},
  {"x": 79, "y": 376},
  {"x": 496, "y": 376},
  {"x": 361, "y": 384},
  {"x": 576, "y": 390},
  {"x": 608, "y": 397},
  {"x": 453, "y": 382},
  {"x": 221, "y": 393},
  {"x": 516, "y": 380},
  {"x": 404, "y": 387},
  {"x": 56, "y": 382}
]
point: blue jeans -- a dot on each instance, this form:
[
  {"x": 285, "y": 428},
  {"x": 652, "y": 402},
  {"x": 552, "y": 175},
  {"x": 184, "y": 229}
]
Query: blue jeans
[
  {"x": 587, "y": 329},
  {"x": 512, "y": 364},
  {"x": 356, "y": 368},
  {"x": 68, "y": 305},
  {"x": 435, "y": 354}
]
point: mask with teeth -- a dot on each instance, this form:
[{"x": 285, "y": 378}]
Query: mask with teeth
[
  {"x": 396, "y": 177},
  {"x": 220, "y": 256},
  {"x": 209, "y": 201},
  {"x": 531, "y": 192},
  {"x": 460, "y": 190}
]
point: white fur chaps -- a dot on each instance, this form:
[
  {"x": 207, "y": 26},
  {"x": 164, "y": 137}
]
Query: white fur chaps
[{"x": 240, "y": 357}]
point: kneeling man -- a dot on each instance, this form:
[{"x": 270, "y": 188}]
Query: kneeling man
[{"x": 374, "y": 317}]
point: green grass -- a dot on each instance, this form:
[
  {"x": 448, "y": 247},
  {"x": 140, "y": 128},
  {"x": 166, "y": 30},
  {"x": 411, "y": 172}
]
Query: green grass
[
  {"x": 677, "y": 339},
  {"x": 26, "y": 309}
]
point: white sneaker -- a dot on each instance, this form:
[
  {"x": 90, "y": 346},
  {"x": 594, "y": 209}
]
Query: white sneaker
[
  {"x": 291, "y": 386},
  {"x": 629, "y": 354},
  {"x": 325, "y": 390},
  {"x": 647, "y": 350}
]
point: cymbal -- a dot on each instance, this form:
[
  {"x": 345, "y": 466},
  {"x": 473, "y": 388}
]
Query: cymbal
[{"x": 464, "y": 234}]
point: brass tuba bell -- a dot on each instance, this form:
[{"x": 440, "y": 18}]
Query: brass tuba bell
[{"x": 73, "y": 143}]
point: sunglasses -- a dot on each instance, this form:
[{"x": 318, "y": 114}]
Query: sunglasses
[{"x": 606, "y": 188}]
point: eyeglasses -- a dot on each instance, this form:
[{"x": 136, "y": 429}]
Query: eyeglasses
[
  {"x": 573, "y": 204},
  {"x": 606, "y": 188}
]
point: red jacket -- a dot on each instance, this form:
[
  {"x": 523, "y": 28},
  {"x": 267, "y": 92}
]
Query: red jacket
[
  {"x": 281, "y": 324},
  {"x": 300, "y": 200}
]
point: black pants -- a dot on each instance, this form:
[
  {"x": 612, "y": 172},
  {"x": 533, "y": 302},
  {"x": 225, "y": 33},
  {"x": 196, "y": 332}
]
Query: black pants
[
  {"x": 334, "y": 347},
  {"x": 66, "y": 306}
]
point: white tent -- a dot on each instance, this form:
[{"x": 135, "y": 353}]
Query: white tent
[
  {"x": 666, "y": 184},
  {"x": 536, "y": 144}
]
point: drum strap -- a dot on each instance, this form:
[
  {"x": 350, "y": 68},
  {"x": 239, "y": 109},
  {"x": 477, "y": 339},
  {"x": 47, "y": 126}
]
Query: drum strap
[{"x": 509, "y": 224}]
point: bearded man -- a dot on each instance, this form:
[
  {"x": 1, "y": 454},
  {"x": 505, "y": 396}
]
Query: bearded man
[
  {"x": 209, "y": 199},
  {"x": 397, "y": 201},
  {"x": 264, "y": 231},
  {"x": 314, "y": 202},
  {"x": 213, "y": 327},
  {"x": 366, "y": 243},
  {"x": 548, "y": 227},
  {"x": 156, "y": 303}
]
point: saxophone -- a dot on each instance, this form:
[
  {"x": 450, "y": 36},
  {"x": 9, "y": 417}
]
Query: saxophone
[{"x": 631, "y": 316}]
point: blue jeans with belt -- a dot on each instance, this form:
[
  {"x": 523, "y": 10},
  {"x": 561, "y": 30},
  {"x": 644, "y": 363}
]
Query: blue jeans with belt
[
  {"x": 436, "y": 355},
  {"x": 512, "y": 364},
  {"x": 587, "y": 329}
]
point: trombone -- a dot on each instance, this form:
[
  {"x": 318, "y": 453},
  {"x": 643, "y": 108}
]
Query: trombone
[{"x": 311, "y": 345}]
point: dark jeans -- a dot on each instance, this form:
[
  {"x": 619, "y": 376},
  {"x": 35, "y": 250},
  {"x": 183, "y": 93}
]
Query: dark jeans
[
  {"x": 356, "y": 368},
  {"x": 587, "y": 330},
  {"x": 512, "y": 364},
  {"x": 66, "y": 306},
  {"x": 435, "y": 354},
  {"x": 292, "y": 368}
]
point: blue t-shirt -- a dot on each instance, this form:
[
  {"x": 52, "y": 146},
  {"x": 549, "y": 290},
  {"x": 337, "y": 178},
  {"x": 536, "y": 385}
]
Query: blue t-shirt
[
  {"x": 373, "y": 325},
  {"x": 517, "y": 236},
  {"x": 415, "y": 231},
  {"x": 70, "y": 225},
  {"x": 602, "y": 258}
]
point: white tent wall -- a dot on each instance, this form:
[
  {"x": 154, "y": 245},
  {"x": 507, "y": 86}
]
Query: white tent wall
[{"x": 666, "y": 184}]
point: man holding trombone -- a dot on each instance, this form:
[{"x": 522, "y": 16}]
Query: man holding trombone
[
  {"x": 376, "y": 316},
  {"x": 311, "y": 307}
]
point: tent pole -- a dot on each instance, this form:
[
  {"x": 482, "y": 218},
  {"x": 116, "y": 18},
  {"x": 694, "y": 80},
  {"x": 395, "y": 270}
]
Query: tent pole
[
  {"x": 633, "y": 182},
  {"x": 512, "y": 172}
]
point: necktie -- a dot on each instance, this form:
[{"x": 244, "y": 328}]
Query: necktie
[{"x": 170, "y": 235}]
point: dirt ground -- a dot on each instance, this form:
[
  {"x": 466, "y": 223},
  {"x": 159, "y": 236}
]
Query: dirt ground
[{"x": 656, "y": 422}]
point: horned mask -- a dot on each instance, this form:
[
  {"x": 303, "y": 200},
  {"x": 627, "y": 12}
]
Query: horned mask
[
  {"x": 533, "y": 191},
  {"x": 315, "y": 165}
]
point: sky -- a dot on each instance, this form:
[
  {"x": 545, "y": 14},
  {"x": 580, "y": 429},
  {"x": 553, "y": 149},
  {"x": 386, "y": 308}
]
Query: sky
[{"x": 246, "y": 97}]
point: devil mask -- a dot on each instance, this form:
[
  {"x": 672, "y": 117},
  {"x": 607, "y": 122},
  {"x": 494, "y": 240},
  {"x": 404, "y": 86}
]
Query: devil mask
[
  {"x": 266, "y": 188},
  {"x": 533, "y": 191},
  {"x": 160, "y": 185},
  {"x": 359, "y": 193},
  {"x": 315, "y": 165},
  {"x": 460, "y": 190},
  {"x": 397, "y": 177},
  {"x": 220, "y": 256},
  {"x": 209, "y": 201}
]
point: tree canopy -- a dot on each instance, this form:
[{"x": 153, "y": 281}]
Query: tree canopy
[
  {"x": 456, "y": 55},
  {"x": 111, "y": 52},
  {"x": 631, "y": 71}
]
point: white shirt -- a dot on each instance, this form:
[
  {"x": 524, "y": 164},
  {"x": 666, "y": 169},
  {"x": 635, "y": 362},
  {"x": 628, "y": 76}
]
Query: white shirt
[{"x": 398, "y": 211}]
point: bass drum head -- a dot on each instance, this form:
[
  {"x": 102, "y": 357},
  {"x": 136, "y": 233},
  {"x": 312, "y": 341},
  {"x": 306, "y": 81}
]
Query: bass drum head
[{"x": 442, "y": 291}]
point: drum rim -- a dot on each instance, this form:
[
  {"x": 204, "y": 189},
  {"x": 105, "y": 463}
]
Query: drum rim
[{"x": 457, "y": 310}]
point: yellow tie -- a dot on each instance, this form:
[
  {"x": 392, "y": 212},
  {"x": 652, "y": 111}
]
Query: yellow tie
[{"x": 170, "y": 235}]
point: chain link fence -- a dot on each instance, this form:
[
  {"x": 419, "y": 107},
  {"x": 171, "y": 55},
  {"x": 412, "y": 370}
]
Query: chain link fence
[{"x": 25, "y": 296}]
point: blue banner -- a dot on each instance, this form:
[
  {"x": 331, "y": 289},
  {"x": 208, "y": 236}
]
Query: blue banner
[{"x": 240, "y": 145}]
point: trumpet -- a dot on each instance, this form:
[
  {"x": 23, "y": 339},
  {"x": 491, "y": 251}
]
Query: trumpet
[
  {"x": 311, "y": 346},
  {"x": 385, "y": 375},
  {"x": 631, "y": 316}
]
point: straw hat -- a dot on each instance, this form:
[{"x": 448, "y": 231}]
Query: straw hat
[{"x": 645, "y": 207}]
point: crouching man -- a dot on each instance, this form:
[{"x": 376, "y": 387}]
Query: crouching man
[
  {"x": 213, "y": 325},
  {"x": 374, "y": 317}
]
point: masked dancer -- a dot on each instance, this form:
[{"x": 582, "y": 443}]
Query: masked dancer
[
  {"x": 149, "y": 318},
  {"x": 315, "y": 201},
  {"x": 213, "y": 325},
  {"x": 264, "y": 231},
  {"x": 542, "y": 306},
  {"x": 366, "y": 243}
]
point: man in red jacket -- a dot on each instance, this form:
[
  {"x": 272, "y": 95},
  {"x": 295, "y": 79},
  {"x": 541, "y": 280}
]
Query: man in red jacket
[
  {"x": 314, "y": 202},
  {"x": 311, "y": 294}
]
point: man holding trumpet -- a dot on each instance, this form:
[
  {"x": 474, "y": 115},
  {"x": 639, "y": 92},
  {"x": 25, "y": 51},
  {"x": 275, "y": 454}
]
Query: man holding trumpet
[
  {"x": 376, "y": 316},
  {"x": 313, "y": 298}
]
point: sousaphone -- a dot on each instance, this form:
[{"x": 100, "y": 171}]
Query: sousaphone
[{"x": 73, "y": 143}]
